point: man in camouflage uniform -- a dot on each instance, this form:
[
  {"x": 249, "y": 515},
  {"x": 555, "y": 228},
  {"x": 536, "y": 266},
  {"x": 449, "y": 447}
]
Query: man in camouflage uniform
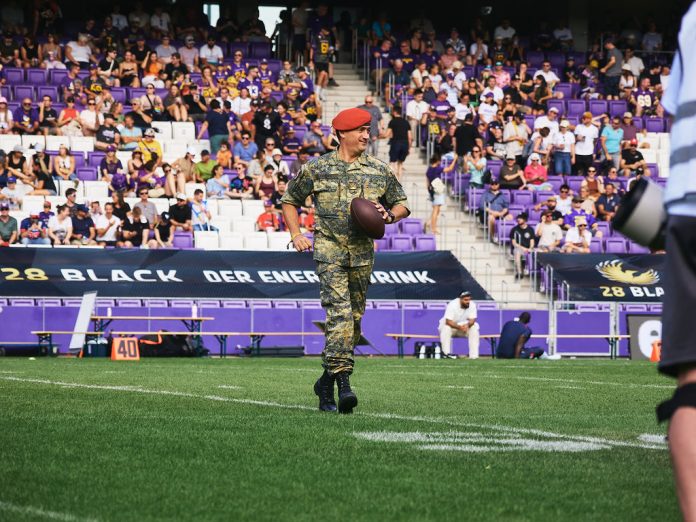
[{"x": 344, "y": 253}]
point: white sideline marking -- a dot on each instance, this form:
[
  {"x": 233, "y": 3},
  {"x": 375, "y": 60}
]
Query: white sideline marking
[
  {"x": 652, "y": 438},
  {"x": 229, "y": 387},
  {"x": 569, "y": 387},
  {"x": 605, "y": 383},
  {"x": 452, "y": 387},
  {"x": 38, "y": 512},
  {"x": 509, "y": 430}
]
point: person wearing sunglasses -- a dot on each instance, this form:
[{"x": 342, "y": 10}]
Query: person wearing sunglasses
[
  {"x": 578, "y": 238},
  {"x": 25, "y": 119}
]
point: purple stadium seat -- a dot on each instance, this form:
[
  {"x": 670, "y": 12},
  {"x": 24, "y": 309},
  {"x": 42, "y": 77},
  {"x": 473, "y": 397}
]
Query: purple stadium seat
[
  {"x": 391, "y": 230},
  {"x": 617, "y": 108},
  {"x": 469, "y": 70},
  {"x": 638, "y": 122},
  {"x": 411, "y": 226},
  {"x": 494, "y": 166},
  {"x": 615, "y": 245},
  {"x": 382, "y": 245},
  {"x": 635, "y": 248},
  {"x": 119, "y": 94},
  {"x": 47, "y": 90},
  {"x": 543, "y": 195},
  {"x": 598, "y": 107},
  {"x": 535, "y": 58},
  {"x": 654, "y": 170},
  {"x": 503, "y": 231},
  {"x": 523, "y": 197},
  {"x": 575, "y": 107},
  {"x": 474, "y": 197},
  {"x": 564, "y": 88},
  {"x": 36, "y": 76},
  {"x": 529, "y": 120},
  {"x": 425, "y": 242},
  {"x": 95, "y": 158},
  {"x": 87, "y": 173},
  {"x": 182, "y": 240},
  {"x": 260, "y": 50},
  {"x": 56, "y": 76},
  {"x": 6, "y": 92},
  {"x": 558, "y": 104},
  {"x": 605, "y": 228},
  {"x": 23, "y": 91},
  {"x": 655, "y": 124},
  {"x": 574, "y": 183},
  {"x": 13, "y": 75},
  {"x": 239, "y": 46},
  {"x": 557, "y": 59},
  {"x": 596, "y": 246},
  {"x": 513, "y": 210},
  {"x": 401, "y": 243},
  {"x": 136, "y": 92}
]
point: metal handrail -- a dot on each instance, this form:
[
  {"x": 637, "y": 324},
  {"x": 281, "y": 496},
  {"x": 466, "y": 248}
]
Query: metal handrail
[{"x": 504, "y": 292}]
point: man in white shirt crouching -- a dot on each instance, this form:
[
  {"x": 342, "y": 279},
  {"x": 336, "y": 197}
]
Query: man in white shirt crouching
[{"x": 460, "y": 321}]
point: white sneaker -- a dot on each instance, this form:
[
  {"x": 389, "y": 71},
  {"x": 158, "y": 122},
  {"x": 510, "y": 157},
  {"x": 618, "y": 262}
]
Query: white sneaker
[{"x": 553, "y": 357}]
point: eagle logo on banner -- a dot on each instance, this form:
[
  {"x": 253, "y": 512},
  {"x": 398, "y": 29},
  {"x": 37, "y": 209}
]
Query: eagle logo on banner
[{"x": 614, "y": 271}]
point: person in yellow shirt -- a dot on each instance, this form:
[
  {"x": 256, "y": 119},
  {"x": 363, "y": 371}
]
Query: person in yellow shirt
[{"x": 150, "y": 147}]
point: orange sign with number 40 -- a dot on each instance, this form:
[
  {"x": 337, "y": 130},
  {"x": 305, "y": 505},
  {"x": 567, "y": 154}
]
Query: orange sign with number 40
[{"x": 125, "y": 349}]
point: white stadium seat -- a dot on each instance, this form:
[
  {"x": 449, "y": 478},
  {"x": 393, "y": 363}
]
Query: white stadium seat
[
  {"x": 256, "y": 241},
  {"x": 164, "y": 128},
  {"x": 192, "y": 187},
  {"x": 9, "y": 141},
  {"x": 230, "y": 207},
  {"x": 206, "y": 240},
  {"x": 252, "y": 207},
  {"x": 244, "y": 225},
  {"x": 183, "y": 130},
  {"x": 231, "y": 241},
  {"x": 81, "y": 144},
  {"x": 222, "y": 223},
  {"x": 30, "y": 142},
  {"x": 32, "y": 204},
  {"x": 95, "y": 190},
  {"x": 53, "y": 143},
  {"x": 278, "y": 240}
]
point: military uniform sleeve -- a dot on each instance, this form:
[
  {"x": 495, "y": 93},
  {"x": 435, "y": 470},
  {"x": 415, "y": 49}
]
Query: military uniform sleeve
[
  {"x": 299, "y": 188},
  {"x": 394, "y": 193}
]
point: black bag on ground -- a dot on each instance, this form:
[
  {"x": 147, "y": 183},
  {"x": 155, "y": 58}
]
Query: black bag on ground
[{"x": 166, "y": 346}]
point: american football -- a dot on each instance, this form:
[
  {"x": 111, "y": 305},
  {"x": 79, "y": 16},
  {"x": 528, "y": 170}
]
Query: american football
[{"x": 366, "y": 216}]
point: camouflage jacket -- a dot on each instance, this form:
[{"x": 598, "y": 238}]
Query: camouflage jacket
[{"x": 333, "y": 184}]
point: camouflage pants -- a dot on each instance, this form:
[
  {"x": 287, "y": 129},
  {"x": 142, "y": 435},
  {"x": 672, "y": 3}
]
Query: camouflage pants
[{"x": 343, "y": 291}]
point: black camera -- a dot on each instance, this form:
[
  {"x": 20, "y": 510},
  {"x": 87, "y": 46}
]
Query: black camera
[{"x": 641, "y": 216}]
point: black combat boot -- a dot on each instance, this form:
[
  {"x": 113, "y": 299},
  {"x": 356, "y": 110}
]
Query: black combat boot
[
  {"x": 347, "y": 400},
  {"x": 324, "y": 389}
]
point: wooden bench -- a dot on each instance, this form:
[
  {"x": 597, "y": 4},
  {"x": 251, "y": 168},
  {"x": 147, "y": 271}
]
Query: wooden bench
[{"x": 402, "y": 338}]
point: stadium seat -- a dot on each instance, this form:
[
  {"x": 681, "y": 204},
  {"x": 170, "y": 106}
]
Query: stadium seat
[
  {"x": 96, "y": 190},
  {"x": 183, "y": 130},
  {"x": 565, "y": 89},
  {"x": 401, "y": 243},
  {"x": 164, "y": 128},
  {"x": 605, "y": 228},
  {"x": 655, "y": 124},
  {"x": 411, "y": 226},
  {"x": 244, "y": 225},
  {"x": 278, "y": 241},
  {"x": 222, "y": 223},
  {"x": 231, "y": 241},
  {"x": 503, "y": 229},
  {"x": 32, "y": 204},
  {"x": 230, "y": 208},
  {"x": 252, "y": 208},
  {"x": 182, "y": 240},
  {"x": 192, "y": 187},
  {"x": 9, "y": 141},
  {"x": 575, "y": 107},
  {"x": 206, "y": 240},
  {"x": 523, "y": 197},
  {"x": 558, "y": 104},
  {"x": 14, "y": 75},
  {"x": 47, "y": 90},
  {"x": 256, "y": 241},
  {"x": 94, "y": 158},
  {"x": 596, "y": 246},
  {"x": 424, "y": 242},
  {"x": 29, "y": 142},
  {"x": 615, "y": 245},
  {"x": 617, "y": 108},
  {"x": 382, "y": 245},
  {"x": 53, "y": 143},
  {"x": 23, "y": 91},
  {"x": 86, "y": 173},
  {"x": 81, "y": 144},
  {"x": 598, "y": 107}
]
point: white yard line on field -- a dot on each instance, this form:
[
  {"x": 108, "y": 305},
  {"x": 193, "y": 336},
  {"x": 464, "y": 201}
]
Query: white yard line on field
[
  {"x": 375, "y": 415},
  {"x": 39, "y": 512},
  {"x": 600, "y": 383}
]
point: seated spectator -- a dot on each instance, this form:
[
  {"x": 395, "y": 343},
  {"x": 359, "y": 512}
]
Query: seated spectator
[
  {"x": 9, "y": 52},
  {"x": 280, "y": 168},
  {"x": 135, "y": 231},
  {"x": 184, "y": 171},
  {"x": 511, "y": 175},
  {"x": 194, "y": 102},
  {"x": 245, "y": 150},
  {"x": 536, "y": 175},
  {"x": 32, "y": 231},
  {"x": 60, "y": 226},
  {"x": 25, "y": 119},
  {"x": 302, "y": 158},
  {"x": 147, "y": 208},
  {"x": 200, "y": 215},
  {"x": 593, "y": 183},
  {"x": 204, "y": 168},
  {"x": 576, "y": 212},
  {"x": 107, "y": 227},
  {"x": 180, "y": 214},
  {"x": 315, "y": 142},
  {"x": 495, "y": 146},
  {"x": 549, "y": 234},
  {"x": 108, "y": 136},
  {"x": 10, "y": 195},
  {"x": 266, "y": 184},
  {"x": 588, "y": 204},
  {"x": 578, "y": 238},
  {"x": 5, "y": 117},
  {"x": 131, "y": 135},
  {"x": 241, "y": 186},
  {"x": 224, "y": 155},
  {"x": 83, "y": 230},
  {"x": 110, "y": 165},
  {"x": 174, "y": 104},
  {"x": 632, "y": 161},
  {"x": 8, "y": 225},
  {"x": 163, "y": 231},
  {"x": 522, "y": 241},
  {"x": 494, "y": 205},
  {"x": 91, "y": 119},
  {"x": 608, "y": 203},
  {"x": 150, "y": 147},
  {"x": 42, "y": 177},
  {"x": 268, "y": 220},
  {"x": 17, "y": 165},
  {"x": 48, "y": 117},
  {"x": 218, "y": 186}
]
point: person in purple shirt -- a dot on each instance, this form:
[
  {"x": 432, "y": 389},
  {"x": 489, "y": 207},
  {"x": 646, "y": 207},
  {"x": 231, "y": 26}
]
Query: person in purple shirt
[
  {"x": 266, "y": 76},
  {"x": 251, "y": 82},
  {"x": 404, "y": 54},
  {"x": 25, "y": 119},
  {"x": 69, "y": 85},
  {"x": 441, "y": 105},
  {"x": 306, "y": 83},
  {"x": 291, "y": 145},
  {"x": 46, "y": 214},
  {"x": 430, "y": 57},
  {"x": 643, "y": 99},
  {"x": 576, "y": 211}
]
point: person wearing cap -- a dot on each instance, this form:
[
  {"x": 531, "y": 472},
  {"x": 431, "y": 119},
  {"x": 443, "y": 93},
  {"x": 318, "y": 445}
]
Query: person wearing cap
[
  {"x": 8, "y": 225},
  {"x": 611, "y": 138},
  {"x": 32, "y": 231},
  {"x": 83, "y": 229},
  {"x": 291, "y": 145},
  {"x": 344, "y": 254},
  {"x": 548, "y": 120},
  {"x": 42, "y": 176},
  {"x": 630, "y": 130},
  {"x": 459, "y": 320},
  {"x": 190, "y": 55},
  {"x": 511, "y": 175},
  {"x": 107, "y": 135},
  {"x": 577, "y": 211},
  {"x": 17, "y": 165},
  {"x": 10, "y": 195},
  {"x": 632, "y": 161},
  {"x": 268, "y": 219},
  {"x": 150, "y": 147},
  {"x": 210, "y": 53},
  {"x": 280, "y": 168},
  {"x": 578, "y": 238},
  {"x": 494, "y": 206},
  {"x": 163, "y": 232},
  {"x": 627, "y": 82},
  {"x": 522, "y": 241},
  {"x": 488, "y": 110},
  {"x": 586, "y": 134},
  {"x": 180, "y": 216},
  {"x": 563, "y": 150},
  {"x": 194, "y": 102},
  {"x": 536, "y": 175},
  {"x": 549, "y": 232}
]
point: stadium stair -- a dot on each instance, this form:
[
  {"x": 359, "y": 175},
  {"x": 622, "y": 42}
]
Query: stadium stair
[{"x": 486, "y": 261}]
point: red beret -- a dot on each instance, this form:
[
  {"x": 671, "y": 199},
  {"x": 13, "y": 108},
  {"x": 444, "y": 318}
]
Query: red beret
[{"x": 350, "y": 119}]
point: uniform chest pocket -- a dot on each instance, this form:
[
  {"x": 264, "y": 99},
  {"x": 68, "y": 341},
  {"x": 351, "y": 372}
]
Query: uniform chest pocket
[
  {"x": 326, "y": 193},
  {"x": 375, "y": 188}
]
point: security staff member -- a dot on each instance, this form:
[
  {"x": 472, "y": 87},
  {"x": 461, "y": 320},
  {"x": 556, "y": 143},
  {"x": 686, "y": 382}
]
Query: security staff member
[{"x": 343, "y": 253}]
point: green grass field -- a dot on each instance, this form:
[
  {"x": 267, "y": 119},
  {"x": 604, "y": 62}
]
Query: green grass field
[{"x": 241, "y": 439}]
